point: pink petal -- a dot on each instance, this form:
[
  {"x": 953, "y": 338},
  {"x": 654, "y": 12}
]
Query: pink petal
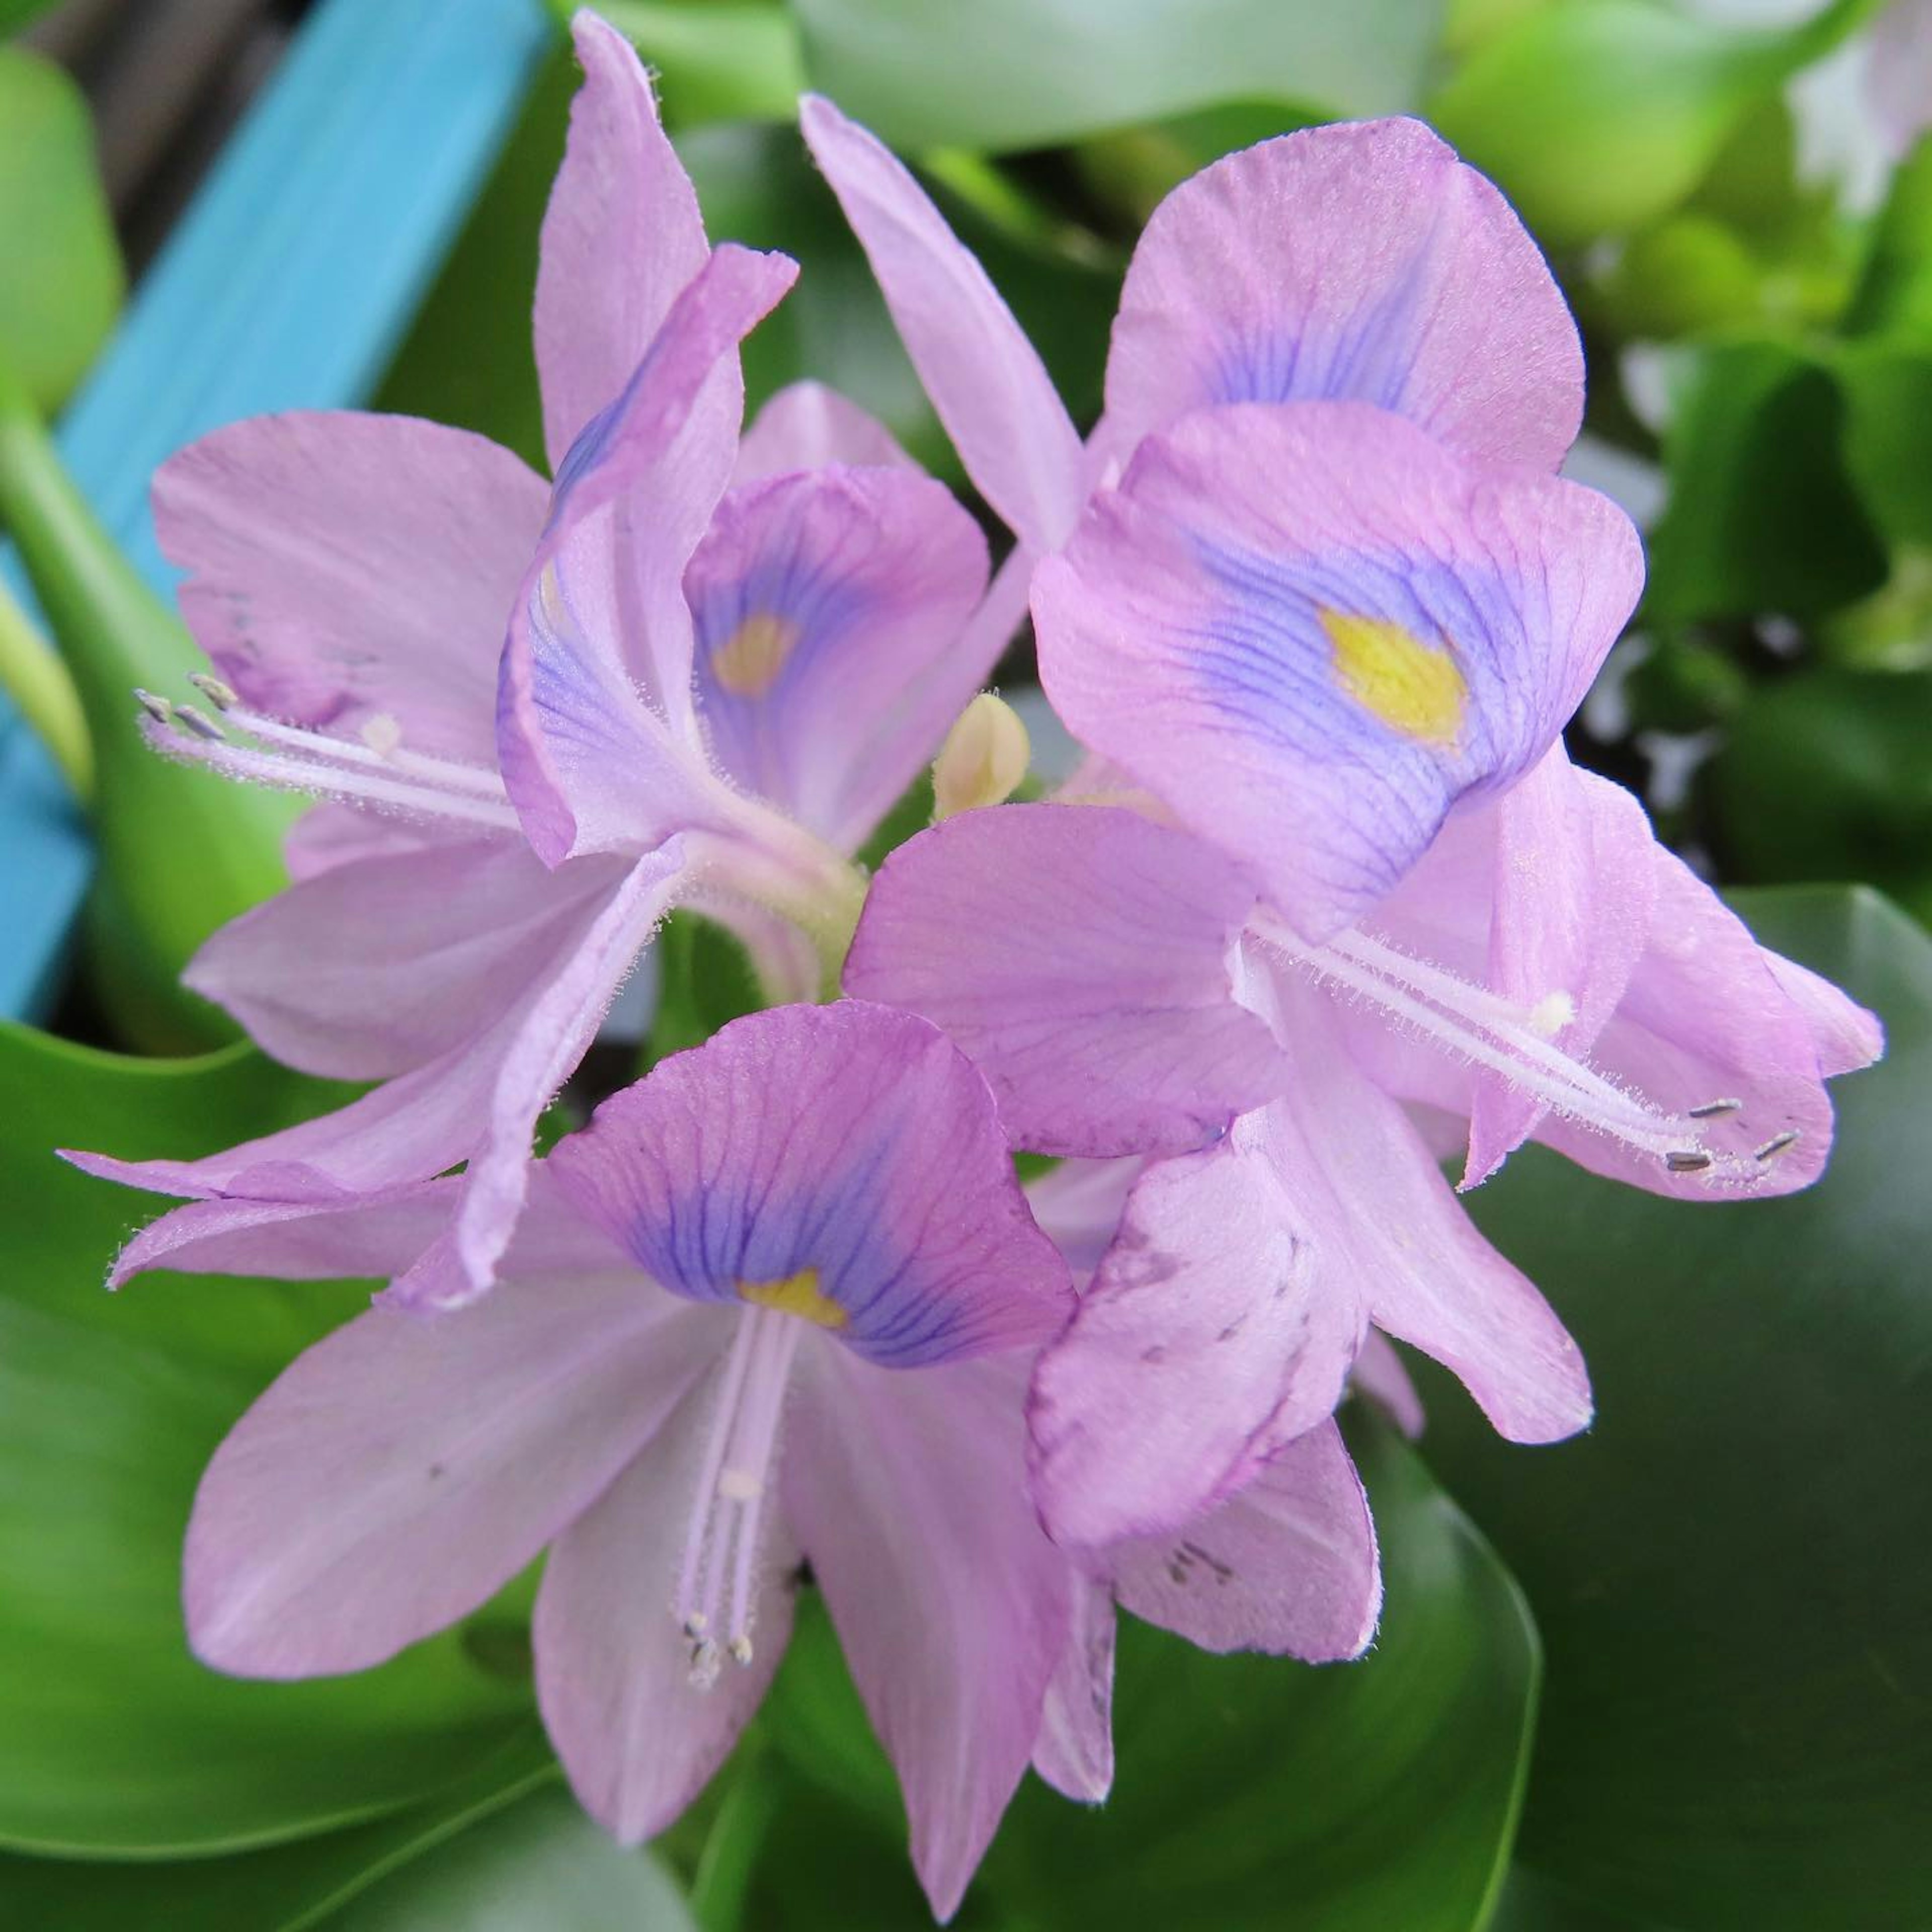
[
  {"x": 1381, "y": 1377},
  {"x": 638, "y": 1739},
  {"x": 443, "y": 939},
  {"x": 554, "y": 1031},
  {"x": 1288, "y": 1565},
  {"x": 342, "y": 567},
  {"x": 849, "y": 1140},
  {"x": 989, "y": 385},
  {"x": 806, "y": 426},
  {"x": 595, "y": 728},
  {"x": 621, "y": 237},
  {"x": 1898, "y": 74},
  {"x": 1078, "y": 1205},
  {"x": 1213, "y": 1334},
  {"x": 1312, "y": 614},
  {"x": 908, "y": 1495},
  {"x": 329, "y": 834},
  {"x": 1574, "y": 886},
  {"x": 1709, "y": 1014},
  {"x": 828, "y": 607},
  {"x": 1383, "y": 1220},
  {"x": 1358, "y": 260},
  {"x": 1078, "y": 956},
  {"x": 1074, "y": 1750},
  {"x": 401, "y": 1471}
]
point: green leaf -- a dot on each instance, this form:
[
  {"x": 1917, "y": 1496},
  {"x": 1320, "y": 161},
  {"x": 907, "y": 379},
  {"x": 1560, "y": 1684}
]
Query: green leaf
[
  {"x": 1731, "y": 1572},
  {"x": 1256, "y": 1791},
  {"x": 1761, "y": 515},
  {"x": 726, "y": 61},
  {"x": 1599, "y": 116},
  {"x": 1003, "y": 75},
  {"x": 1532, "y": 1904},
  {"x": 1887, "y": 390},
  {"x": 64, "y": 281},
  {"x": 115, "y": 1740},
  {"x": 1828, "y": 771},
  {"x": 284, "y": 1887},
  {"x": 706, "y": 980}
]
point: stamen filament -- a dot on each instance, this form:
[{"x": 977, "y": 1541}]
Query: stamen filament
[
  {"x": 1475, "y": 1023},
  {"x": 442, "y": 772},
  {"x": 718, "y": 1578}
]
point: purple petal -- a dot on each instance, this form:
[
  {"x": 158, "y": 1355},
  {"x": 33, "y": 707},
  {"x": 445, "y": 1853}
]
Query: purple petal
[
  {"x": 989, "y": 385},
  {"x": 1709, "y": 1014},
  {"x": 639, "y": 1739},
  {"x": 1078, "y": 1206},
  {"x": 342, "y": 567},
  {"x": 330, "y": 834},
  {"x": 807, "y": 426},
  {"x": 1363, "y": 261},
  {"x": 1575, "y": 883},
  {"x": 1078, "y": 956},
  {"x": 850, "y": 1146},
  {"x": 1313, "y": 615},
  {"x": 1213, "y": 1334},
  {"x": 621, "y": 237},
  {"x": 595, "y": 728},
  {"x": 1898, "y": 74},
  {"x": 1385, "y": 1221},
  {"x": 1074, "y": 1750},
  {"x": 1380, "y": 1376},
  {"x": 1287, "y": 1566},
  {"x": 401, "y": 1471},
  {"x": 444, "y": 940},
  {"x": 553, "y": 1032},
  {"x": 829, "y": 606},
  {"x": 908, "y": 1495}
]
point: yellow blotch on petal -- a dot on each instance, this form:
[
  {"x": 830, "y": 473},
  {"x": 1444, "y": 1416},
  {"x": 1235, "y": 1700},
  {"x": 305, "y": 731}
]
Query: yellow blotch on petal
[
  {"x": 797, "y": 1294},
  {"x": 1415, "y": 689},
  {"x": 748, "y": 661}
]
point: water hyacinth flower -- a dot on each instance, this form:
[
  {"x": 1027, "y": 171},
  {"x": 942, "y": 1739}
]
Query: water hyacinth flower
[
  {"x": 724, "y": 662},
  {"x": 775, "y": 1307},
  {"x": 1324, "y": 629}
]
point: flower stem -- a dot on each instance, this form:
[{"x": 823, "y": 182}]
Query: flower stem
[{"x": 41, "y": 687}]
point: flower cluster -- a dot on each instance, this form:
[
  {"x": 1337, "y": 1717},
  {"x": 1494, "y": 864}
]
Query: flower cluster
[{"x": 1325, "y": 898}]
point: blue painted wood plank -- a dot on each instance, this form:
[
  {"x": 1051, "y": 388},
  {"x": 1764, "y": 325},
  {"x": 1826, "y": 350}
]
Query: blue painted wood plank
[{"x": 288, "y": 284}]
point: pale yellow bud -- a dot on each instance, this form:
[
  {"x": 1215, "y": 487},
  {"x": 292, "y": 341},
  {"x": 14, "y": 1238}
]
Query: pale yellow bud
[{"x": 984, "y": 757}]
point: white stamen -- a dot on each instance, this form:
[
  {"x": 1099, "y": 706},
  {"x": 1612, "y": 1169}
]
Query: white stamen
[
  {"x": 1511, "y": 1041},
  {"x": 309, "y": 760},
  {"x": 717, "y": 1578}
]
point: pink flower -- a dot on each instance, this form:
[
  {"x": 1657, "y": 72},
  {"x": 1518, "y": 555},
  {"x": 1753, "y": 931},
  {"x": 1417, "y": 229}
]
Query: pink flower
[
  {"x": 776, "y": 1307},
  {"x": 1321, "y": 624},
  {"x": 724, "y": 663}
]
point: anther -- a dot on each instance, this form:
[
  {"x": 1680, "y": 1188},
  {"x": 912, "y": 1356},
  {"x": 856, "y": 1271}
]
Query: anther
[
  {"x": 1686, "y": 1160},
  {"x": 1776, "y": 1145},
  {"x": 696, "y": 1624},
  {"x": 704, "y": 1665},
  {"x": 199, "y": 722},
  {"x": 1711, "y": 1108},
  {"x": 382, "y": 735},
  {"x": 158, "y": 708},
  {"x": 220, "y": 694},
  {"x": 741, "y": 1648}
]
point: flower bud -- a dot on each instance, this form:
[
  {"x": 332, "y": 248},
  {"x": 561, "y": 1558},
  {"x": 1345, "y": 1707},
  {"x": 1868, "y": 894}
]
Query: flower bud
[{"x": 983, "y": 759}]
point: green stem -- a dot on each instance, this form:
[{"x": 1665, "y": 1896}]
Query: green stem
[
  {"x": 723, "y": 1881},
  {"x": 42, "y": 688}
]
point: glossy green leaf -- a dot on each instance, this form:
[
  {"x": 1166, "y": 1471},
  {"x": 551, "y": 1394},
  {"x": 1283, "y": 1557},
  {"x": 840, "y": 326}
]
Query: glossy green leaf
[
  {"x": 115, "y": 1739},
  {"x": 1894, "y": 292},
  {"x": 64, "y": 279},
  {"x": 1761, "y": 515},
  {"x": 282, "y": 1887},
  {"x": 1530, "y": 1903},
  {"x": 1256, "y": 1791},
  {"x": 1732, "y": 1572},
  {"x": 1887, "y": 390},
  {"x": 1002, "y": 75}
]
